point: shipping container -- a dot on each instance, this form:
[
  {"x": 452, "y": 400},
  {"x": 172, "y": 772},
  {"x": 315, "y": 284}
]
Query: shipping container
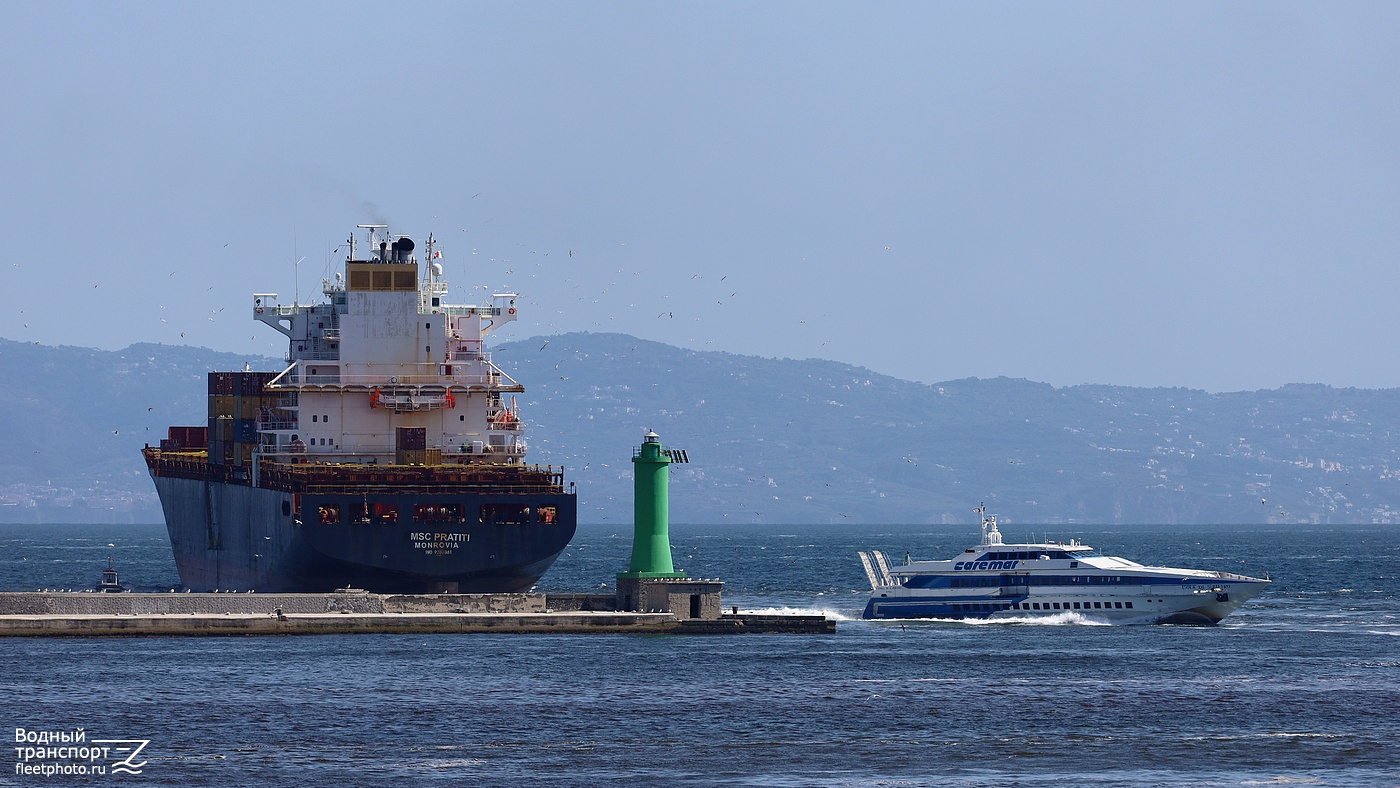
[
  {"x": 245, "y": 431},
  {"x": 221, "y": 429},
  {"x": 220, "y": 405},
  {"x": 221, "y": 383}
]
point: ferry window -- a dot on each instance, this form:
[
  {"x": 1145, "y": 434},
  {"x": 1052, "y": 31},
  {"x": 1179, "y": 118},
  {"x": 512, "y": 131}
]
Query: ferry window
[
  {"x": 548, "y": 514},
  {"x": 461, "y": 418},
  {"x": 328, "y": 514},
  {"x": 439, "y": 513},
  {"x": 1130, "y": 604},
  {"x": 1056, "y": 604},
  {"x": 505, "y": 513},
  {"x": 313, "y": 418}
]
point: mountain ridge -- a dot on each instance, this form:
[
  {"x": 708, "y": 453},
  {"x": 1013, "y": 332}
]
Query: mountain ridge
[{"x": 778, "y": 440}]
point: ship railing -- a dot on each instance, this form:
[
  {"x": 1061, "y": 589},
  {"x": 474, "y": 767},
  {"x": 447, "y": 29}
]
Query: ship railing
[
  {"x": 268, "y": 426},
  {"x": 468, "y": 310},
  {"x": 385, "y": 473},
  {"x": 428, "y": 288},
  {"x": 318, "y": 355},
  {"x": 338, "y": 488},
  {"x": 432, "y": 377},
  {"x": 340, "y": 455}
]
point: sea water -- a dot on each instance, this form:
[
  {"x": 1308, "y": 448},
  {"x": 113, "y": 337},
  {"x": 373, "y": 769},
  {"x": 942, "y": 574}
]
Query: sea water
[{"x": 1301, "y": 686}]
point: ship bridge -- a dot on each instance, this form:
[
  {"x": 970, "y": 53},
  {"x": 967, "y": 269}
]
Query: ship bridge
[{"x": 385, "y": 350}]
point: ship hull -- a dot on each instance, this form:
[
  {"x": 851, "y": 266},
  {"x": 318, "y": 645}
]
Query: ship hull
[
  {"x": 1178, "y": 602},
  {"x": 233, "y": 537}
]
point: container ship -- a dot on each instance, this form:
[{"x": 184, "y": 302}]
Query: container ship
[{"x": 387, "y": 456}]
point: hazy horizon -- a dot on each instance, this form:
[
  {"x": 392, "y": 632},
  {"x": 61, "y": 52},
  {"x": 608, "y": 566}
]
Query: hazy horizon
[{"x": 1183, "y": 194}]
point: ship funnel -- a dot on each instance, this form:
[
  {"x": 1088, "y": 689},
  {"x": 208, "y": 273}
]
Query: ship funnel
[
  {"x": 403, "y": 247},
  {"x": 651, "y": 537}
]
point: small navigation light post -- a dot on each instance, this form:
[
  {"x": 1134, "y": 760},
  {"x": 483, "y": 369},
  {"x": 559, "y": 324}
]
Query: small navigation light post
[{"x": 652, "y": 583}]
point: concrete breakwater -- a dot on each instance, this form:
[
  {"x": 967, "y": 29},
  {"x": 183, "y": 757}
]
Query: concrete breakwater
[{"x": 133, "y": 614}]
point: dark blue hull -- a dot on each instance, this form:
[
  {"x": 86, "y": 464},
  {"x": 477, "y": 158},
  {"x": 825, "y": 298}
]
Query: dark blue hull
[{"x": 232, "y": 537}]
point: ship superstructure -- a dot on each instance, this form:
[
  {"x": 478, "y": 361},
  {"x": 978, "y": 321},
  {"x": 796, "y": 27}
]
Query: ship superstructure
[{"x": 387, "y": 455}]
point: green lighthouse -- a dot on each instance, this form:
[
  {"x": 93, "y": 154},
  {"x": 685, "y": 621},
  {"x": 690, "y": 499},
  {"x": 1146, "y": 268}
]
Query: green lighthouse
[{"x": 651, "y": 537}]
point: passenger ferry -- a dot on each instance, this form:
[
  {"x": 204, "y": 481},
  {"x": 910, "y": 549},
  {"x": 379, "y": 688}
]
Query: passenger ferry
[{"x": 995, "y": 580}]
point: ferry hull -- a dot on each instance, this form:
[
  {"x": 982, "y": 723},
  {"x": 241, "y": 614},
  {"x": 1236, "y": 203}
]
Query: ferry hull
[
  {"x": 1160, "y": 605},
  {"x": 232, "y": 537}
]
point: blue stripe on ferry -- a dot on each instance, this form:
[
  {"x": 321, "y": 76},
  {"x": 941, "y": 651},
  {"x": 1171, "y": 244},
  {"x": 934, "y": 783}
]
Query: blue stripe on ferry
[
  {"x": 946, "y": 581},
  {"x": 914, "y": 608}
]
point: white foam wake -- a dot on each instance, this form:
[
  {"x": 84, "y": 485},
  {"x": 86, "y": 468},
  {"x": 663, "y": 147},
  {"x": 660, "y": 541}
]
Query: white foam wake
[{"x": 834, "y": 615}]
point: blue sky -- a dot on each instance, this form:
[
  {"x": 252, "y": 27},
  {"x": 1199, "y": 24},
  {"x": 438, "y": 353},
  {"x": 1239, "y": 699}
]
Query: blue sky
[{"x": 1178, "y": 194}]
